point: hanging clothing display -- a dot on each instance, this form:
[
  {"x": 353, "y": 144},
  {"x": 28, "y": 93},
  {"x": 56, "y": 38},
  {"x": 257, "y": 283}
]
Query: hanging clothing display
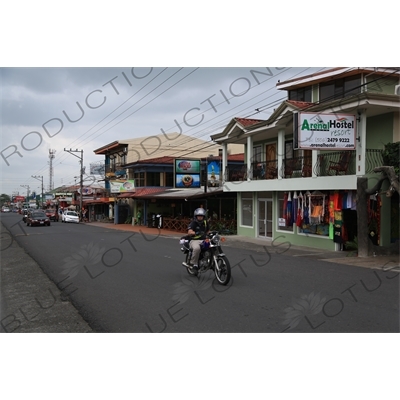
[
  {"x": 306, "y": 213},
  {"x": 317, "y": 207},
  {"x": 289, "y": 215},
  {"x": 284, "y": 214},
  {"x": 336, "y": 201},
  {"x": 338, "y": 227},
  {"x": 295, "y": 204}
]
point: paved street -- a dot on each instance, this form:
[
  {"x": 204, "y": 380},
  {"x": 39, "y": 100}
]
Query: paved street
[{"x": 130, "y": 279}]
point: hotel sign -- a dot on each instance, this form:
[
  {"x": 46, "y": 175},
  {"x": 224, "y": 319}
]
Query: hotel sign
[{"x": 324, "y": 131}]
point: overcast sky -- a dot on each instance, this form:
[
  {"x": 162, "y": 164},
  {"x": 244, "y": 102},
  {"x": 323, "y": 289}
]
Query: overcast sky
[
  {"x": 94, "y": 101},
  {"x": 86, "y": 108}
]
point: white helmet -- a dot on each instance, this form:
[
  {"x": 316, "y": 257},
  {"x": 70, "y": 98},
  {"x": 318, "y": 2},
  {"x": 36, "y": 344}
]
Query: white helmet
[{"x": 199, "y": 211}]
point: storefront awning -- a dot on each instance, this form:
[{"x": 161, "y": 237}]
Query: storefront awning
[
  {"x": 163, "y": 193},
  {"x": 142, "y": 192},
  {"x": 98, "y": 201}
]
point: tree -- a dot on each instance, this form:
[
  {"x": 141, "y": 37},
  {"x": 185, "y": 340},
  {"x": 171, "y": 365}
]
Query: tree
[
  {"x": 389, "y": 172},
  {"x": 4, "y": 198}
]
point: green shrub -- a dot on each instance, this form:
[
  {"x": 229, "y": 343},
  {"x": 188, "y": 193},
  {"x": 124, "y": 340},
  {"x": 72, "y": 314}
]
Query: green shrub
[{"x": 391, "y": 156}]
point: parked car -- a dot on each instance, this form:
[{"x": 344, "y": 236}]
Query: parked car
[
  {"x": 70, "y": 216},
  {"x": 5, "y": 209},
  {"x": 52, "y": 214},
  {"x": 37, "y": 218}
]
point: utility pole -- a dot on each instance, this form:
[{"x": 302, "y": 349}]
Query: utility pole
[
  {"x": 51, "y": 172},
  {"x": 39, "y": 178},
  {"x": 70, "y": 151},
  {"x": 27, "y": 192}
]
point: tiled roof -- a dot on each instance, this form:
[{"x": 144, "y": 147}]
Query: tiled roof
[
  {"x": 170, "y": 160},
  {"x": 300, "y": 104},
  {"x": 247, "y": 121},
  {"x": 236, "y": 157},
  {"x": 157, "y": 160}
]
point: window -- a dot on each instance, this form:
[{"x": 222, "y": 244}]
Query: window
[
  {"x": 256, "y": 154},
  {"x": 289, "y": 151},
  {"x": 339, "y": 88},
  {"x": 112, "y": 163},
  {"x": 139, "y": 179},
  {"x": 247, "y": 209},
  {"x": 169, "y": 179},
  {"x": 301, "y": 94},
  {"x": 153, "y": 179},
  {"x": 315, "y": 214},
  {"x": 122, "y": 159}
]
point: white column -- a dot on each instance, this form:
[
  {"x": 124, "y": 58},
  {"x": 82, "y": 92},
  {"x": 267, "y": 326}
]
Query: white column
[
  {"x": 361, "y": 145},
  {"x": 314, "y": 160},
  {"x": 281, "y": 150},
  {"x": 224, "y": 161},
  {"x": 249, "y": 157}
]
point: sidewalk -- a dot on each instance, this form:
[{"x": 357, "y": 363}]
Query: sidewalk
[
  {"x": 30, "y": 301},
  {"x": 340, "y": 257}
]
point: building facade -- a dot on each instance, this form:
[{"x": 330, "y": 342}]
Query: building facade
[
  {"x": 139, "y": 176},
  {"x": 299, "y": 181}
]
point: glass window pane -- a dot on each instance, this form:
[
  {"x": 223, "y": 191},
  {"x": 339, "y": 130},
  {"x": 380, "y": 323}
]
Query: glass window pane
[
  {"x": 352, "y": 85},
  {"x": 247, "y": 209},
  {"x": 326, "y": 91}
]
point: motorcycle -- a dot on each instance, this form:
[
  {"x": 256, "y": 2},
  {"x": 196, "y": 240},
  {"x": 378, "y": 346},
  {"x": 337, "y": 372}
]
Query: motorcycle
[{"x": 211, "y": 257}]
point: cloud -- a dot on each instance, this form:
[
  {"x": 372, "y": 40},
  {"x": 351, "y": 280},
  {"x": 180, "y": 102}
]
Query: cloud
[{"x": 86, "y": 108}]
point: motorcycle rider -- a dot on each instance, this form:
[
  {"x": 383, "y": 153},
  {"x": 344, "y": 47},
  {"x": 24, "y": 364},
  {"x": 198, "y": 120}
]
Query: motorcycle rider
[{"x": 198, "y": 229}]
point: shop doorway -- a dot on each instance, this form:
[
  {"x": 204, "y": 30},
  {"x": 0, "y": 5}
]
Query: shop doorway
[{"x": 265, "y": 218}]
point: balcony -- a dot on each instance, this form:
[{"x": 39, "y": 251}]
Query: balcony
[
  {"x": 338, "y": 163},
  {"x": 115, "y": 171}
]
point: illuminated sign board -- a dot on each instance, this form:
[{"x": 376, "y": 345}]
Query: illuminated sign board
[{"x": 187, "y": 173}]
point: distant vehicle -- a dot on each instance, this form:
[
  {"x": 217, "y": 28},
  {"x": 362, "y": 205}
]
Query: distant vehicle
[
  {"x": 70, "y": 216},
  {"x": 37, "y": 218},
  {"x": 25, "y": 213},
  {"x": 5, "y": 209},
  {"x": 52, "y": 214}
]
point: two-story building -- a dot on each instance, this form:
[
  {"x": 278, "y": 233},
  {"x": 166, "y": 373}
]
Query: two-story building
[
  {"x": 299, "y": 181},
  {"x": 139, "y": 175}
]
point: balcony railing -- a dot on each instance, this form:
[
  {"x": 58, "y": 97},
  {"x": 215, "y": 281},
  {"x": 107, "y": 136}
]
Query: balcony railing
[
  {"x": 265, "y": 170},
  {"x": 115, "y": 170},
  {"x": 299, "y": 167},
  {"x": 373, "y": 159},
  {"x": 236, "y": 173},
  {"x": 337, "y": 163}
]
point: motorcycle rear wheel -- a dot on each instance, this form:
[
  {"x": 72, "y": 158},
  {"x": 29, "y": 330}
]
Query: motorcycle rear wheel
[{"x": 223, "y": 275}]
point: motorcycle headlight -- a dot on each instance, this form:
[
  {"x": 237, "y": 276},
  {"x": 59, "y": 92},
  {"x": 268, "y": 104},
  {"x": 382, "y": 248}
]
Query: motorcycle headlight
[{"x": 216, "y": 239}]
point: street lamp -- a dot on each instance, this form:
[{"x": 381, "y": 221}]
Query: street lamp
[{"x": 27, "y": 192}]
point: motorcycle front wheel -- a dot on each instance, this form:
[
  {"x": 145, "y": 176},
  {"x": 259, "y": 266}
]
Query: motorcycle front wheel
[
  {"x": 223, "y": 272},
  {"x": 188, "y": 269}
]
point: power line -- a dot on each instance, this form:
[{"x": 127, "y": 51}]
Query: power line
[{"x": 262, "y": 108}]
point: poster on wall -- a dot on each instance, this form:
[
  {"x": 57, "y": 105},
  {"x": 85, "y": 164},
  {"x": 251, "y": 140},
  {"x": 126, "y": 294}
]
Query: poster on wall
[
  {"x": 122, "y": 186},
  {"x": 314, "y": 131},
  {"x": 213, "y": 173},
  {"x": 187, "y": 173}
]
